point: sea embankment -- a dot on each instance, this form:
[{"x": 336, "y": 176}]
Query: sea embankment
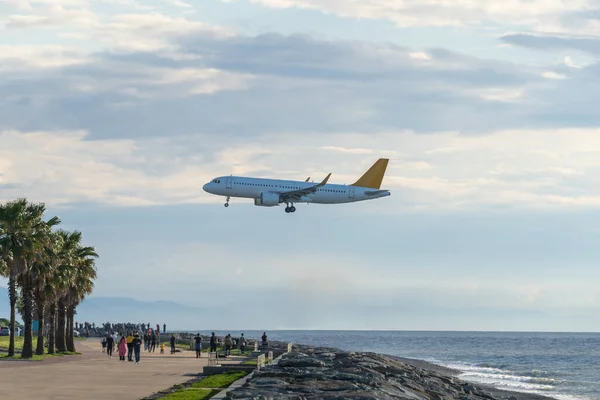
[{"x": 310, "y": 372}]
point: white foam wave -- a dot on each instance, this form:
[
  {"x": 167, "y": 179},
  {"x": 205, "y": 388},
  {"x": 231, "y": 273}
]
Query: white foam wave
[{"x": 535, "y": 382}]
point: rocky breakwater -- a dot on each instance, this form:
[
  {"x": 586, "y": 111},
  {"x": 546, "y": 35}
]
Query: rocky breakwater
[{"x": 319, "y": 373}]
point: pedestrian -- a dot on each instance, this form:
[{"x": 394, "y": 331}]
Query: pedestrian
[
  {"x": 110, "y": 344},
  {"x": 172, "y": 344},
  {"x": 242, "y": 343},
  {"x": 103, "y": 343},
  {"x": 130, "y": 346},
  {"x": 122, "y": 348},
  {"x": 265, "y": 343},
  {"x": 228, "y": 342},
  {"x": 146, "y": 341},
  {"x": 137, "y": 347},
  {"x": 198, "y": 340},
  {"x": 152, "y": 342},
  {"x": 213, "y": 342}
]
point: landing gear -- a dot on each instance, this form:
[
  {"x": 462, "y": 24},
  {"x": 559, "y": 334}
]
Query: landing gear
[
  {"x": 227, "y": 202},
  {"x": 289, "y": 209}
]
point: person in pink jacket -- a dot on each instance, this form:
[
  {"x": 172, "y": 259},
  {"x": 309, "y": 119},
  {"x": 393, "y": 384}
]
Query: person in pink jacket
[{"x": 122, "y": 348}]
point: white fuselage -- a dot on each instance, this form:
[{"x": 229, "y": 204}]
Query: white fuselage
[{"x": 253, "y": 188}]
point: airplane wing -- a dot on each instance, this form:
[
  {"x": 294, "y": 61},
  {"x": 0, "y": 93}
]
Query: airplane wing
[{"x": 296, "y": 195}]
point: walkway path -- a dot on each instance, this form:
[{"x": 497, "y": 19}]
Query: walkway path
[{"x": 92, "y": 375}]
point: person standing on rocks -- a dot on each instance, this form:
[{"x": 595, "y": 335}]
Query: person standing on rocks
[
  {"x": 122, "y": 348},
  {"x": 228, "y": 342},
  {"x": 213, "y": 342},
  {"x": 265, "y": 343},
  {"x": 198, "y": 340},
  {"x": 242, "y": 343},
  {"x": 110, "y": 344},
  {"x": 137, "y": 347}
]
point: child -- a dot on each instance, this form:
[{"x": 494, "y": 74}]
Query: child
[
  {"x": 162, "y": 348},
  {"x": 103, "y": 345}
]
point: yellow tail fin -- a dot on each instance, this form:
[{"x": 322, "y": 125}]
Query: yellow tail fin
[{"x": 373, "y": 177}]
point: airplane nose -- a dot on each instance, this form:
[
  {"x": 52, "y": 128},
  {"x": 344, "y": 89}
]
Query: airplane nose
[{"x": 205, "y": 187}]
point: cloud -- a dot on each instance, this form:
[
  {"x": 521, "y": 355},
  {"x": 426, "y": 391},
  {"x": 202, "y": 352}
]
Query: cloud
[
  {"x": 539, "y": 14},
  {"x": 589, "y": 45},
  {"x": 234, "y": 84},
  {"x": 437, "y": 172}
]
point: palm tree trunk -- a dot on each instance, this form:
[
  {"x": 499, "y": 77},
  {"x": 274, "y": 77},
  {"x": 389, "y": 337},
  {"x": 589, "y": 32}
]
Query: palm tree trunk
[
  {"x": 52, "y": 330},
  {"x": 39, "y": 301},
  {"x": 12, "y": 294},
  {"x": 70, "y": 319},
  {"x": 27, "y": 351},
  {"x": 61, "y": 342}
]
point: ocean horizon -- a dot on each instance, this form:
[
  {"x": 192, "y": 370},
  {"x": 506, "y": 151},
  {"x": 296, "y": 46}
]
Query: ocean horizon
[{"x": 562, "y": 365}]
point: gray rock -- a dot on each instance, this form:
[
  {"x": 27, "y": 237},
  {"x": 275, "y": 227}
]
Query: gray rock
[{"x": 319, "y": 373}]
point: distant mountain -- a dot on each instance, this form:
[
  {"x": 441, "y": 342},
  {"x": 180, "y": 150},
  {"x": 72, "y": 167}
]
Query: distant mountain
[
  {"x": 124, "y": 309},
  {"x": 176, "y": 316}
]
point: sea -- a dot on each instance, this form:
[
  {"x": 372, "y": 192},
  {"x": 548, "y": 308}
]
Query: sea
[{"x": 565, "y": 366}]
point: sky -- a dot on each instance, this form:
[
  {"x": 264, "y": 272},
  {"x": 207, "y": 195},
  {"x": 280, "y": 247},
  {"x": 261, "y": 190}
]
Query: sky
[{"x": 115, "y": 113}]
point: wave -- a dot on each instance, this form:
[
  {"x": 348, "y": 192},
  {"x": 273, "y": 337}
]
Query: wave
[{"x": 534, "y": 382}]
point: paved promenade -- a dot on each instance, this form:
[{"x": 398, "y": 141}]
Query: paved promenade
[{"x": 92, "y": 375}]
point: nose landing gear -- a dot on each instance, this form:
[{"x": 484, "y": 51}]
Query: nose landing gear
[{"x": 227, "y": 202}]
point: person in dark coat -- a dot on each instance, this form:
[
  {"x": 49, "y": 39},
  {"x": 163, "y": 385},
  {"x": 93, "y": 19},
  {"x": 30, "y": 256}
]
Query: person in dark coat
[
  {"x": 213, "y": 342},
  {"x": 137, "y": 347},
  {"x": 172, "y": 344},
  {"x": 198, "y": 340},
  {"x": 110, "y": 344}
]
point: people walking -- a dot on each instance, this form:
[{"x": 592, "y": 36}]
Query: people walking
[
  {"x": 198, "y": 340},
  {"x": 137, "y": 347},
  {"x": 122, "y": 348},
  {"x": 110, "y": 344},
  {"x": 130, "y": 347}
]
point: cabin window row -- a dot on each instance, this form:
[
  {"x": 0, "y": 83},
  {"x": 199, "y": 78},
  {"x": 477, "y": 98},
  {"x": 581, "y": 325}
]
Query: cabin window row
[{"x": 288, "y": 187}]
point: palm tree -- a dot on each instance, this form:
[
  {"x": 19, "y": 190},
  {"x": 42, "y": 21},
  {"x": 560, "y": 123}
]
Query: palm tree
[
  {"x": 72, "y": 253},
  {"x": 43, "y": 270},
  {"x": 82, "y": 284},
  {"x": 37, "y": 242},
  {"x": 20, "y": 236},
  {"x": 52, "y": 269}
]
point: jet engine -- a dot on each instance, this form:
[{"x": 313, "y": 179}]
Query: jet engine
[{"x": 267, "y": 199}]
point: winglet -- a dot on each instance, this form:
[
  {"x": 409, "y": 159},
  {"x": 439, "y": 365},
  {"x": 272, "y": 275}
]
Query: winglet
[{"x": 325, "y": 180}]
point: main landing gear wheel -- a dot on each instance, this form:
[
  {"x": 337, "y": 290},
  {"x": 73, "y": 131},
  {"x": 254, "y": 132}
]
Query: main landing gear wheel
[
  {"x": 290, "y": 209},
  {"x": 227, "y": 202}
]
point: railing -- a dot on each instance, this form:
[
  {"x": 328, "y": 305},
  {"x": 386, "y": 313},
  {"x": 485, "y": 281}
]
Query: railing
[
  {"x": 260, "y": 361},
  {"x": 213, "y": 358}
]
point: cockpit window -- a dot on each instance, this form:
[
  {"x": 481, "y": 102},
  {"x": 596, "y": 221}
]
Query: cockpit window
[{"x": 216, "y": 181}]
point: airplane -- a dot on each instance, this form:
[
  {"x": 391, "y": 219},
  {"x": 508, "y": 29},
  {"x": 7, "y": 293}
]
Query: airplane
[{"x": 273, "y": 192}]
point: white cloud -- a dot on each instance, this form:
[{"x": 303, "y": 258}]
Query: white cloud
[
  {"x": 553, "y": 75},
  {"x": 541, "y": 14},
  {"x": 505, "y": 168}
]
